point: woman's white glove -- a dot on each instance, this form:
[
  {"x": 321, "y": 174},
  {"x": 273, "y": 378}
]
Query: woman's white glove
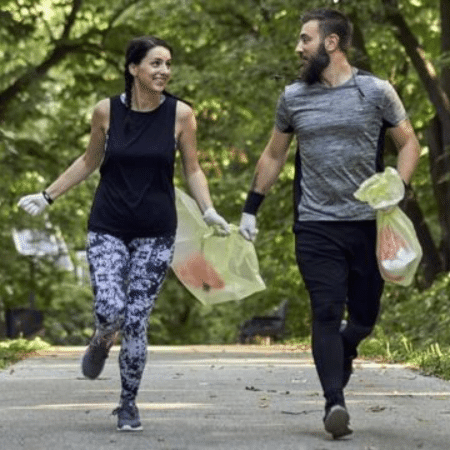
[
  {"x": 211, "y": 217},
  {"x": 33, "y": 204},
  {"x": 247, "y": 226}
]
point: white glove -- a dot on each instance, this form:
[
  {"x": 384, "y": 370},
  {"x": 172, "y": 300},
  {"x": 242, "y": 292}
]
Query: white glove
[
  {"x": 247, "y": 226},
  {"x": 33, "y": 204},
  {"x": 211, "y": 217}
]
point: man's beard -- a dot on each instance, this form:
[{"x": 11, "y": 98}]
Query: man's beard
[{"x": 315, "y": 66}]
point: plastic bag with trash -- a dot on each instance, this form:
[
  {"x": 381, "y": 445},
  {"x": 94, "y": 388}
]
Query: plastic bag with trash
[
  {"x": 213, "y": 268},
  {"x": 398, "y": 249}
]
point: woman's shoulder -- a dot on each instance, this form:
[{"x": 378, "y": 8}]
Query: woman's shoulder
[
  {"x": 184, "y": 110},
  {"x": 101, "y": 113},
  {"x": 103, "y": 107}
]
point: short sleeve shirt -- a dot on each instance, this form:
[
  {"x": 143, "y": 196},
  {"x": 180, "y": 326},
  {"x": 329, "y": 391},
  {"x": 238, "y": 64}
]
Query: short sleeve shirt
[{"x": 340, "y": 133}]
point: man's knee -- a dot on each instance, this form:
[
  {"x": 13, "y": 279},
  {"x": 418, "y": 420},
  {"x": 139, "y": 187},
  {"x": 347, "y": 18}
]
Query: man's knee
[{"x": 328, "y": 312}]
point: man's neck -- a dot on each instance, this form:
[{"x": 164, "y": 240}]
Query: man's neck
[{"x": 338, "y": 72}]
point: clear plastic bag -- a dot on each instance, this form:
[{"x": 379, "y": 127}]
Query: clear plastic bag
[
  {"x": 213, "y": 268},
  {"x": 398, "y": 249}
]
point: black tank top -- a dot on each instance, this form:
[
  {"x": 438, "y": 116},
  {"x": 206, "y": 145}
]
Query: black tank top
[{"x": 135, "y": 196}]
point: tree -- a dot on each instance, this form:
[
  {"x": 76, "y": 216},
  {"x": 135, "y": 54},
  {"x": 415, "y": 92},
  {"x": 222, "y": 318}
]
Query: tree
[{"x": 231, "y": 61}]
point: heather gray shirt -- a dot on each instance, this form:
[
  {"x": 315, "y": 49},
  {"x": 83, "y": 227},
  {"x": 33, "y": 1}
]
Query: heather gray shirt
[{"x": 340, "y": 135}]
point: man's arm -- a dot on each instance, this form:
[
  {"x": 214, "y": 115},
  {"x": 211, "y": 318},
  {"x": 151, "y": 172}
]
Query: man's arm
[
  {"x": 267, "y": 170},
  {"x": 271, "y": 161},
  {"x": 408, "y": 149}
]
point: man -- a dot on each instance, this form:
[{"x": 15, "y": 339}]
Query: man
[{"x": 339, "y": 115}]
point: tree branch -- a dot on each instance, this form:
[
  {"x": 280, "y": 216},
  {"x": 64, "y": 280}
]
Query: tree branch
[{"x": 423, "y": 66}]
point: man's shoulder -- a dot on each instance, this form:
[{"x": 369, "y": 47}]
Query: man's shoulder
[
  {"x": 296, "y": 86},
  {"x": 369, "y": 79},
  {"x": 294, "y": 90}
]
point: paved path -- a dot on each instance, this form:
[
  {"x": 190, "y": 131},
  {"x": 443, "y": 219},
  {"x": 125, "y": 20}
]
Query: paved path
[{"x": 223, "y": 398}]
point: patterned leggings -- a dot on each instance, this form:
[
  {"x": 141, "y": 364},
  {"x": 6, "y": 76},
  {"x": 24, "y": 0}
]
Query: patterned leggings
[{"x": 126, "y": 279}]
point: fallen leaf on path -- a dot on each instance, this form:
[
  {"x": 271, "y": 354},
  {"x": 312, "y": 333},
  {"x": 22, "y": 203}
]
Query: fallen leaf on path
[
  {"x": 377, "y": 408},
  {"x": 251, "y": 388}
]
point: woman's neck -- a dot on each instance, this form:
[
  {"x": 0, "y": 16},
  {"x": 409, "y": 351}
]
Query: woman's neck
[{"x": 145, "y": 101}]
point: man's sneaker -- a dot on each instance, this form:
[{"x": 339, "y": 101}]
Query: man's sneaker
[
  {"x": 128, "y": 417},
  {"x": 336, "y": 421},
  {"x": 95, "y": 356}
]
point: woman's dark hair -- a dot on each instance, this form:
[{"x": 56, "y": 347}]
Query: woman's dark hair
[
  {"x": 136, "y": 51},
  {"x": 332, "y": 21}
]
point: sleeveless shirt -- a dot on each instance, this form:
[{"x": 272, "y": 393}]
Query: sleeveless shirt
[{"x": 135, "y": 196}]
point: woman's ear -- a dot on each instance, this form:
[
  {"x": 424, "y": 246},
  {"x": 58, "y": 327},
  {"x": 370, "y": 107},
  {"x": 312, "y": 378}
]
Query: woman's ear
[{"x": 132, "y": 69}]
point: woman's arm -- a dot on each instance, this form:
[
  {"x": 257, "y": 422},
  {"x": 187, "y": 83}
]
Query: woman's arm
[
  {"x": 87, "y": 163},
  {"x": 186, "y": 134},
  {"x": 80, "y": 169}
]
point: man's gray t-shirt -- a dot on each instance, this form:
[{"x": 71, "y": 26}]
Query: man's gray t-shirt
[{"x": 340, "y": 133}]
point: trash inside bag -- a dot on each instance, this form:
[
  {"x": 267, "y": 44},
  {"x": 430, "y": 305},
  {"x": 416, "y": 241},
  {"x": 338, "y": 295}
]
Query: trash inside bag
[
  {"x": 213, "y": 268},
  {"x": 398, "y": 249}
]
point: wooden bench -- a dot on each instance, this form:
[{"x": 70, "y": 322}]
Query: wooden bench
[
  {"x": 270, "y": 326},
  {"x": 23, "y": 322}
]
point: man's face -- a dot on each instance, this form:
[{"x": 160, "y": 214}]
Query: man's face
[{"x": 311, "y": 50}]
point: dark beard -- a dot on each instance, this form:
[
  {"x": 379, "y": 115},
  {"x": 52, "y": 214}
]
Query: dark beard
[{"x": 315, "y": 66}]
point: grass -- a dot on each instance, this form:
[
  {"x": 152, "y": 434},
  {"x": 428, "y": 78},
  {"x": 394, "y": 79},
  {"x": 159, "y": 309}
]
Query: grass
[
  {"x": 15, "y": 350},
  {"x": 431, "y": 360}
]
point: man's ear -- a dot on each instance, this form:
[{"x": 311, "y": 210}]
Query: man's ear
[{"x": 331, "y": 42}]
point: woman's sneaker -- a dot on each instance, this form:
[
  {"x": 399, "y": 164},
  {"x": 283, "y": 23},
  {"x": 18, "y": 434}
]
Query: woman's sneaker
[
  {"x": 128, "y": 417},
  {"x": 95, "y": 356}
]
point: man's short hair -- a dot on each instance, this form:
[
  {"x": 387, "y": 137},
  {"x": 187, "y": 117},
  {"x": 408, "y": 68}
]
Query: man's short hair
[{"x": 332, "y": 21}]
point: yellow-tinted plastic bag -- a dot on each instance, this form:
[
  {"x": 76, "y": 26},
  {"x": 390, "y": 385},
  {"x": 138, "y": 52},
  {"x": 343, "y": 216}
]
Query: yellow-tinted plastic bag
[
  {"x": 213, "y": 268},
  {"x": 398, "y": 249}
]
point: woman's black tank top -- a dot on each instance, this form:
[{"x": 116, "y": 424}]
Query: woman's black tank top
[{"x": 135, "y": 196}]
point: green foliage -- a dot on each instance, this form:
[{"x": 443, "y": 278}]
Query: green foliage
[
  {"x": 69, "y": 317},
  {"x": 231, "y": 60},
  {"x": 15, "y": 350},
  {"x": 414, "y": 328},
  {"x": 421, "y": 316}
]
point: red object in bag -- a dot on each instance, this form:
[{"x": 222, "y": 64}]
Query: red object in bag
[{"x": 197, "y": 272}]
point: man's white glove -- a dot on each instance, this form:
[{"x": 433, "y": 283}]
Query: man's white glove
[
  {"x": 211, "y": 217},
  {"x": 33, "y": 204},
  {"x": 247, "y": 226}
]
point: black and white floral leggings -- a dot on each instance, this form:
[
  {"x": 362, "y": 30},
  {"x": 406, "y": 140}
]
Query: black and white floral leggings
[{"x": 126, "y": 278}]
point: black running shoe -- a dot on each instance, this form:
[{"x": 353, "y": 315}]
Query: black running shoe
[
  {"x": 95, "y": 356},
  {"x": 128, "y": 417}
]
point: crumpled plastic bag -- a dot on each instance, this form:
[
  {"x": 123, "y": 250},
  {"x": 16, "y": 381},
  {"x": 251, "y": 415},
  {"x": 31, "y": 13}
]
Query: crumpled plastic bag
[
  {"x": 213, "y": 268},
  {"x": 398, "y": 249}
]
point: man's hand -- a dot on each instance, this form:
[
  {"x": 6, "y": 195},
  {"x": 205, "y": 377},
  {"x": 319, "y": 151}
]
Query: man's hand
[
  {"x": 247, "y": 226},
  {"x": 211, "y": 217},
  {"x": 33, "y": 204}
]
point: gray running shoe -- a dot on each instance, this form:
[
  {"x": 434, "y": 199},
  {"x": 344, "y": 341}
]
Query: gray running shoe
[
  {"x": 128, "y": 417},
  {"x": 336, "y": 421},
  {"x": 95, "y": 356}
]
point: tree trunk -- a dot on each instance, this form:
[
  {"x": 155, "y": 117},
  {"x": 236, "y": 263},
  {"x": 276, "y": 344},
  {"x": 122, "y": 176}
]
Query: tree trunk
[
  {"x": 431, "y": 261},
  {"x": 440, "y": 174},
  {"x": 445, "y": 44},
  {"x": 439, "y": 132}
]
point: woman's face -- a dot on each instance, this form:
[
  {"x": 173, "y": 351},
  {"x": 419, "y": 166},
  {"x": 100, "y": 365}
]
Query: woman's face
[{"x": 154, "y": 71}]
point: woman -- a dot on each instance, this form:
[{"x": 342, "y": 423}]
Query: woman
[{"x": 131, "y": 228}]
